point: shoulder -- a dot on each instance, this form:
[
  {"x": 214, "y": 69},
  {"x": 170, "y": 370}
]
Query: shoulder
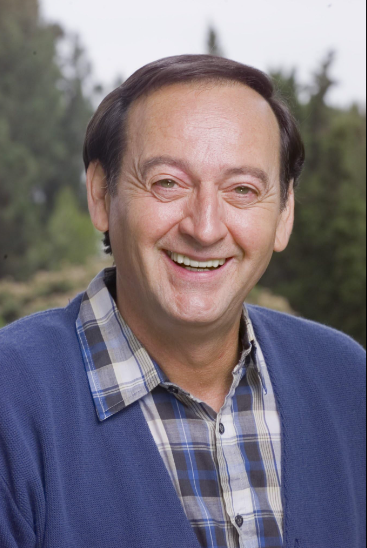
[
  {"x": 39, "y": 357},
  {"x": 312, "y": 357},
  {"x": 39, "y": 333},
  {"x": 314, "y": 335}
]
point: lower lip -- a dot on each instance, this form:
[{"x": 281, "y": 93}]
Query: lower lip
[{"x": 199, "y": 276}]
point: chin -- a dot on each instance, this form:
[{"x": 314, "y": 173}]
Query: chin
[{"x": 197, "y": 311}]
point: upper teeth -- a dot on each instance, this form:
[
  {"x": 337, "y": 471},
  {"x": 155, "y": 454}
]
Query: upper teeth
[{"x": 182, "y": 259}]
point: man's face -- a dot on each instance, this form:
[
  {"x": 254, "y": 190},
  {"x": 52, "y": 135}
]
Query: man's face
[{"x": 197, "y": 213}]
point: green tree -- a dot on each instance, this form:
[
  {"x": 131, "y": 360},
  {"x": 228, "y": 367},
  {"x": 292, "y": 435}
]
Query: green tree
[
  {"x": 323, "y": 271},
  {"x": 43, "y": 115},
  {"x": 71, "y": 236},
  {"x": 213, "y": 44}
]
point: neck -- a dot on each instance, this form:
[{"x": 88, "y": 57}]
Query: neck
[{"x": 199, "y": 359}]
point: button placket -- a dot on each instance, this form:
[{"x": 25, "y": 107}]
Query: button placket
[
  {"x": 236, "y": 509},
  {"x": 221, "y": 430}
]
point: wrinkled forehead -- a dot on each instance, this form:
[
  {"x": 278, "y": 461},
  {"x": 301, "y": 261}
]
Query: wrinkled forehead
[
  {"x": 206, "y": 120},
  {"x": 231, "y": 100}
]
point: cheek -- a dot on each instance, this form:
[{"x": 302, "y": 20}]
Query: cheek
[
  {"x": 144, "y": 220},
  {"x": 254, "y": 231}
]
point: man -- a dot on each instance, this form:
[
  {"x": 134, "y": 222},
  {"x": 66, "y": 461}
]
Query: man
[{"x": 156, "y": 410}]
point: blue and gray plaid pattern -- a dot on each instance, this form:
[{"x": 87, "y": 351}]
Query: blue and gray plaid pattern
[{"x": 225, "y": 467}]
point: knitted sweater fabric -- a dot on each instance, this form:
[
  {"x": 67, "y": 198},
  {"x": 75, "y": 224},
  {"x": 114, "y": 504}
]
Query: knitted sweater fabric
[{"x": 68, "y": 480}]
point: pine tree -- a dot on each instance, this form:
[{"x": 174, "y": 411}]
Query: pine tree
[
  {"x": 43, "y": 115},
  {"x": 213, "y": 45},
  {"x": 322, "y": 273}
]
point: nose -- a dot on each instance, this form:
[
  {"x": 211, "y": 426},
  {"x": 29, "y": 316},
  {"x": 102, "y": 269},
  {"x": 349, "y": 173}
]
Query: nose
[{"x": 204, "y": 217}]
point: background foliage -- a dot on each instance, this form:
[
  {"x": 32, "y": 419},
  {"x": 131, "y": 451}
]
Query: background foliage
[
  {"x": 323, "y": 272},
  {"x": 43, "y": 115},
  {"x": 44, "y": 110}
]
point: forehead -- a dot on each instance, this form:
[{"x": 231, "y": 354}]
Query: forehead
[{"x": 211, "y": 120}]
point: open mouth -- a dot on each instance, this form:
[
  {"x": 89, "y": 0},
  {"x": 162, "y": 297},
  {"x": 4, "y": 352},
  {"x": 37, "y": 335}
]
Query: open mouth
[{"x": 196, "y": 266}]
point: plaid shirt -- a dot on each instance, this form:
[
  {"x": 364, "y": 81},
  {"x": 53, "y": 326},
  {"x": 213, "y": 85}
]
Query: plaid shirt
[{"x": 225, "y": 467}]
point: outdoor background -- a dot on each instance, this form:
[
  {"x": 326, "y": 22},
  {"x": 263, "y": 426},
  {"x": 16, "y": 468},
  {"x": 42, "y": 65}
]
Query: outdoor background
[{"x": 58, "y": 59}]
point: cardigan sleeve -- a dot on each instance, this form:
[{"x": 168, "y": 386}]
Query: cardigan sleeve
[
  {"x": 21, "y": 494},
  {"x": 15, "y": 531}
]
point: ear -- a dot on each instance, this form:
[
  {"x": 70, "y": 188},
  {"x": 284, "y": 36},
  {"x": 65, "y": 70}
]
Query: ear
[
  {"x": 98, "y": 199},
  {"x": 285, "y": 224}
]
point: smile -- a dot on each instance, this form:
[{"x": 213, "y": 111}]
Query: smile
[{"x": 195, "y": 266}]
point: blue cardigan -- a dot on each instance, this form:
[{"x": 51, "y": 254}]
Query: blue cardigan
[{"x": 70, "y": 481}]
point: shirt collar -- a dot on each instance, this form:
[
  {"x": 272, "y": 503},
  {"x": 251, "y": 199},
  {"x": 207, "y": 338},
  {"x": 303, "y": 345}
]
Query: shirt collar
[{"x": 119, "y": 369}]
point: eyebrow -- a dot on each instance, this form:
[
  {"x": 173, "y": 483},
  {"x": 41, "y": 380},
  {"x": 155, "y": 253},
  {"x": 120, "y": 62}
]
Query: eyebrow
[
  {"x": 249, "y": 170},
  {"x": 163, "y": 160},
  {"x": 184, "y": 166}
]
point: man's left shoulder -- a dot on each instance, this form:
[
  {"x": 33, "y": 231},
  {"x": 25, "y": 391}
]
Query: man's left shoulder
[{"x": 306, "y": 333}]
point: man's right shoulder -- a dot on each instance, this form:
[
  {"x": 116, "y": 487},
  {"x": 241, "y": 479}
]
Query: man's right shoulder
[{"x": 39, "y": 333}]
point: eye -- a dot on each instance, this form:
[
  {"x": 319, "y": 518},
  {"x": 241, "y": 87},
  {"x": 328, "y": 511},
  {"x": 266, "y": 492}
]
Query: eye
[
  {"x": 168, "y": 190},
  {"x": 166, "y": 183},
  {"x": 242, "y": 195},
  {"x": 244, "y": 190}
]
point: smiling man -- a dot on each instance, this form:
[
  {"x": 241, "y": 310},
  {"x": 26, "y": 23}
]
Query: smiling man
[{"x": 157, "y": 410}]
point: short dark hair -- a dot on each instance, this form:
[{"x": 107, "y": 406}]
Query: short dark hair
[{"x": 106, "y": 134}]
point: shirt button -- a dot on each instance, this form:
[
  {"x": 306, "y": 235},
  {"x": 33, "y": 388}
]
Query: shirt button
[
  {"x": 173, "y": 389},
  {"x": 221, "y": 429},
  {"x": 239, "y": 521}
]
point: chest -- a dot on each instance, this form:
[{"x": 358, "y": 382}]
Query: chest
[
  {"x": 106, "y": 485},
  {"x": 225, "y": 467}
]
